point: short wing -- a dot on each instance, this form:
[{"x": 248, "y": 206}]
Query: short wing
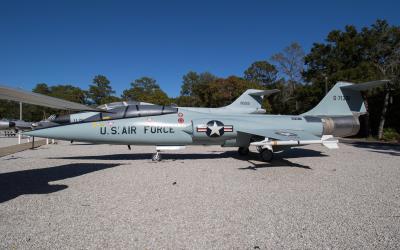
[
  {"x": 271, "y": 137},
  {"x": 19, "y": 95},
  {"x": 366, "y": 85},
  {"x": 280, "y": 134}
]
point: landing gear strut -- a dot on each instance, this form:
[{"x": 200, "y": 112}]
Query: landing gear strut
[
  {"x": 243, "y": 150},
  {"x": 266, "y": 155},
  {"x": 156, "y": 156}
]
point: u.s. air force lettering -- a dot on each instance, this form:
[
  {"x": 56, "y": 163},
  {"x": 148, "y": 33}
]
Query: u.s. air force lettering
[
  {"x": 117, "y": 130},
  {"x": 158, "y": 130},
  {"x": 129, "y": 130}
]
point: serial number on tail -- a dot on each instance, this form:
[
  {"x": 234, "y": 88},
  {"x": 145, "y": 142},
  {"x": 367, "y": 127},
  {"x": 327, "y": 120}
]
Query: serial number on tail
[{"x": 341, "y": 98}]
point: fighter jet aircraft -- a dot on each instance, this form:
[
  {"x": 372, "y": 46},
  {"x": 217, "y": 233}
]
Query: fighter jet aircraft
[
  {"x": 170, "y": 128},
  {"x": 249, "y": 102}
]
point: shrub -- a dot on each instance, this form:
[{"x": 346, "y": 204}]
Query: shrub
[{"x": 390, "y": 134}]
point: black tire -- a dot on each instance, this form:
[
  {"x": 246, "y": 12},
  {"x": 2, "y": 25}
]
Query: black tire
[
  {"x": 259, "y": 149},
  {"x": 267, "y": 155},
  {"x": 243, "y": 150}
]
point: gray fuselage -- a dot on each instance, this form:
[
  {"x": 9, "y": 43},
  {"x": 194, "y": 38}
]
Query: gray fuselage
[{"x": 181, "y": 128}]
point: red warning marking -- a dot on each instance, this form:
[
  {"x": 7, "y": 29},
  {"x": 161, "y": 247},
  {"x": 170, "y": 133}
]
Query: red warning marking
[
  {"x": 228, "y": 128},
  {"x": 181, "y": 120}
]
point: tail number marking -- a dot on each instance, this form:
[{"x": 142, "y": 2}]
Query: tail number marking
[{"x": 341, "y": 98}]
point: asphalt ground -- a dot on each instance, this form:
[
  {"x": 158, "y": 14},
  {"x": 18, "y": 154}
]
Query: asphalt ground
[{"x": 85, "y": 196}]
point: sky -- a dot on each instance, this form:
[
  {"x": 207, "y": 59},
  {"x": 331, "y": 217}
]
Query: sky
[{"x": 69, "y": 42}]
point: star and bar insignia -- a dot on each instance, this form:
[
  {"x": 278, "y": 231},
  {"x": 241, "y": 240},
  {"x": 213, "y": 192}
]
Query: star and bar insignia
[{"x": 214, "y": 128}]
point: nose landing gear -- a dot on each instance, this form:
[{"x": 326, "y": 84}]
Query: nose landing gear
[{"x": 156, "y": 156}]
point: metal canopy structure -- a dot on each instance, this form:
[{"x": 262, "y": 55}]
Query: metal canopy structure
[{"x": 19, "y": 95}]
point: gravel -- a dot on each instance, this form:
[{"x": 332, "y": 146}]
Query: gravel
[
  {"x": 9, "y": 141},
  {"x": 101, "y": 196}
]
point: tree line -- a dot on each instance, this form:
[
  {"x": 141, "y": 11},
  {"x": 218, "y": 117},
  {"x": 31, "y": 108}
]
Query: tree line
[{"x": 353, "y": 55}]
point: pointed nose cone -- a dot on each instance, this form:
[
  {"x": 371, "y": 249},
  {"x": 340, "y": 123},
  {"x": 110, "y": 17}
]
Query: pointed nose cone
[
  {"x": 55, "y": 132},
  {"x": 39, "y": 133},
  {"x": 67, "y": 132}
]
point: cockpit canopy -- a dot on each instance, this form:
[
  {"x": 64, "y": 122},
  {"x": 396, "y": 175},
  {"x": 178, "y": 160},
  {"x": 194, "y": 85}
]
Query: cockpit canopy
[
  {"x": 114, "y": 105},
  {"x": 132, "y": 111}
]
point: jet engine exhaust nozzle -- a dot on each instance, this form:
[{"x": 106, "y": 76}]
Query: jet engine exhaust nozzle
[{"x": 341, "y": 126}]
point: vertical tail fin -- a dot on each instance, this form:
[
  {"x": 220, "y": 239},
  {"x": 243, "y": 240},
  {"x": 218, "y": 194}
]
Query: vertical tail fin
[{"x": 344, "y": 99}]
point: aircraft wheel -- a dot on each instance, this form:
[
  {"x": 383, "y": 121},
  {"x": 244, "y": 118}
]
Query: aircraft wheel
[
  {"x": 156, "y": 157},
  {"x": 267, "y": 155},
  {"x": 243, "y": 150}
]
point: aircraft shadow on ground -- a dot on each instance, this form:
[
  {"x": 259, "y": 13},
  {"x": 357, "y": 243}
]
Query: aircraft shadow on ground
[
  {"x": 274, "y": 164},
  {"x": 279, "y": 159},
  {"x": 144, "y": 156},
  {"x": 36, "y": 181},
  {"x": 377, "y": 147}
]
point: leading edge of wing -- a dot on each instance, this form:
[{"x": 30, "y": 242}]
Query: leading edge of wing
[{"x": 281, "y": 134}]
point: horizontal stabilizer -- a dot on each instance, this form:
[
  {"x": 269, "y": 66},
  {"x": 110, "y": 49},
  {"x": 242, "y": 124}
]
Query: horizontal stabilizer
[
  {"x": 366, "y": 85},
  {"x": 329, "y": 142}
]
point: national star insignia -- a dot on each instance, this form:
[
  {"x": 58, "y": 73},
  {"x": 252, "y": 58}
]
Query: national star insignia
[{"x": 215, "y": 129}]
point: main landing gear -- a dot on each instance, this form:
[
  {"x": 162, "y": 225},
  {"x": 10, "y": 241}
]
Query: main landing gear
[
  {"x": 266, "y": 154},
  {"x": 243, "y": 151}
]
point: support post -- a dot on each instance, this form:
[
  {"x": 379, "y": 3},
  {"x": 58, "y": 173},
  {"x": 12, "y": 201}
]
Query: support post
[
  {"x": 20, "y": 118},
  {"x": 20, "y": 111}
]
